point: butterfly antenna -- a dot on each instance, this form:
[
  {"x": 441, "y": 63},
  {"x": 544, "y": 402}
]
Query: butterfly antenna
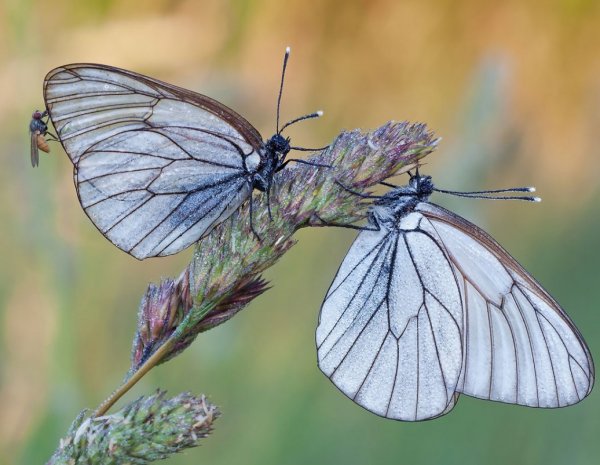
[
  {"x": 489, "y": 194},
  {"x": 285, "y": 61},
  {"x": 316, "y": 114},
  {"x": 484, "y": 194}
]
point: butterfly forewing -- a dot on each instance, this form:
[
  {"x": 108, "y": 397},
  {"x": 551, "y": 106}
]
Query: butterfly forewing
[
  {"x": 520, "y": 345},
  {"x": 156, "y": 166},
  {"x": 389, "y": 332}
]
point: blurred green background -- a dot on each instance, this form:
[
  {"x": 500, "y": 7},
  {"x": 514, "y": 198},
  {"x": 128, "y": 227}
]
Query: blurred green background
[{"x": 513, "y": 88}]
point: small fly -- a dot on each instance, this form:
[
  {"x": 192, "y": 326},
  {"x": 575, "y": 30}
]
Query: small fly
[{"x": 38, "y": 129}]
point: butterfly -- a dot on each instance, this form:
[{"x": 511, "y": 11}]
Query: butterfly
[
  {"x": 38, "y": 129},
  {"x": 156, "y": 167},
  {"x": 427, "y": 306}
]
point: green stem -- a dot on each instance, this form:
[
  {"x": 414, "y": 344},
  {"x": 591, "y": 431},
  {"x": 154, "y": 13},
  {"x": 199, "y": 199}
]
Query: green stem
[{"x": 154, "y": 360}]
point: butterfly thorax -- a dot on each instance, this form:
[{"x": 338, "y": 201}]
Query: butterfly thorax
[
  {"x": 397, "y": 203},
  {"x": 275, "y": 151}
]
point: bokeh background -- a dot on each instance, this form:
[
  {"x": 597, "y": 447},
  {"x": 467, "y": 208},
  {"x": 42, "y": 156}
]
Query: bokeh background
[{"x": 513, "y": 87}]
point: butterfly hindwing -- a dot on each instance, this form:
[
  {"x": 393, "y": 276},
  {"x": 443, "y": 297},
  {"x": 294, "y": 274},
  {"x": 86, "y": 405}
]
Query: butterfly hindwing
[{"x": 520, "y": 345}]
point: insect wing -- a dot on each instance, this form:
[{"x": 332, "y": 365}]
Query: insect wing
[
  {"x": 520, "y": 345},
  {"x": 390, "y": 328},
  {"x": 37, "y": 130},
  {"x": 35, "y": 152},
  {"x": 155, "y": 166}
]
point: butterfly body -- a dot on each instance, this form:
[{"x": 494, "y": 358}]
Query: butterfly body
[
  {"x": 274, "y": 153},
  {"x": 427, "y": 306}
]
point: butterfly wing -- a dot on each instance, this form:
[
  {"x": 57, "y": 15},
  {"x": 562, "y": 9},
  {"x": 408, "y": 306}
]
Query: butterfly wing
[
  {"x": 389, "y": 333},
  {"x": 155, "y": 166},
  {"x": 520, "y": 345}
]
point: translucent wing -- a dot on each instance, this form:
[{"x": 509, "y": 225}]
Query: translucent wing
[
  {"x": 35, "y": 152},
  {"x": 37, "y": 131},
  {"x": 520, "y": 346},
  {"x": 156, "y": 166},
  {"x": 389, "y": 334}
]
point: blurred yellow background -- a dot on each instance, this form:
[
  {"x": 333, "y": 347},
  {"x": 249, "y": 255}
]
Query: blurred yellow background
[{"x": 513, "y": 87}]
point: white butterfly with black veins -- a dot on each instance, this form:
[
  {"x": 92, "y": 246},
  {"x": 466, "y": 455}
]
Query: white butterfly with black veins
[
  {"x": 156, "y": 166},
  {"x": 426, "y": 306}
]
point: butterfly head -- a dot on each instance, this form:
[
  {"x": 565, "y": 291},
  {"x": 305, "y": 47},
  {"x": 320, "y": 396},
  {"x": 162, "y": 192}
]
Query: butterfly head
[
  {"x": 403, "y": 199},
  {"x": 37, "y": 115},
  {"x": 278, "y": 145},
  {"x": 422, "y": 186},
  {"x": 418, "y": 189}
]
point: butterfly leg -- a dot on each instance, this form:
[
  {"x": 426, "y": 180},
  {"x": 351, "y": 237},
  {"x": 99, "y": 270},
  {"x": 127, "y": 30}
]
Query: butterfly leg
[
  {"x": 359, "y": 194},
  {"x": 258, "y": 238},
  {"x": 269, "y": 203},
  {"x": 302, "y": 162},
  {"x": 346, "y": 225}
]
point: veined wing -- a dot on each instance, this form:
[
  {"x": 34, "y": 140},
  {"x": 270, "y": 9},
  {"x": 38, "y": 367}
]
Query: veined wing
[
  {"x": 389, "y": 334},
  {"x": 520, "y": 345},
  {"x": 89, "y": 103},
  {"x": 34, "y": 149},
  {"x": 148, "y": 154}
]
